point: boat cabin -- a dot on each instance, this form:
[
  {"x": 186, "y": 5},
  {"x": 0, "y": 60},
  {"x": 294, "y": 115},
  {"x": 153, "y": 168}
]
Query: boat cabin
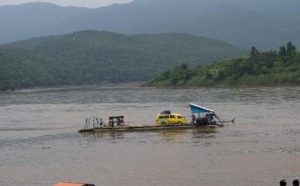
[
  {"x": 207, "y": 118},
  {"x": 93, "y": 122},
  {"x": 116, "y": 121}
]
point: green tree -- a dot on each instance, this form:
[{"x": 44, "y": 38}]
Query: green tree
[
  {"x": 282, "y": 51},
  {"x": 253, "y": 52},
  {"x": 290, "y": 49}
]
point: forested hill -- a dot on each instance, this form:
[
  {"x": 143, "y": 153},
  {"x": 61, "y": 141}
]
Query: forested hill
[
  {"x": 280, "y": 67},
  {"x": 90, "y": 57},
  {"x": 19, "y": 68}
]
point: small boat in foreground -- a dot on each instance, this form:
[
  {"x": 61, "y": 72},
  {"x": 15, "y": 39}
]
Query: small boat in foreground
[{"x": 72, "y": 184}]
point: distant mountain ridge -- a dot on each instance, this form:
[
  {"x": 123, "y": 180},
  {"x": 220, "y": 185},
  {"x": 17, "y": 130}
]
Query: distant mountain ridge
[
  {"x": 19, "y": 22},
  {"x": 263, "y": 24}
]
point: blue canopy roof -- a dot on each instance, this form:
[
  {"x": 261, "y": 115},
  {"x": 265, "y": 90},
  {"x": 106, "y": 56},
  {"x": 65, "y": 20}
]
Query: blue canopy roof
[{"x": 199, "y": 109}]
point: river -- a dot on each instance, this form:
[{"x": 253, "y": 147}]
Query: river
[{"x": 40, "y": 145}]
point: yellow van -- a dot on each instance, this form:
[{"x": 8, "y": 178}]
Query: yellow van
[{"x": 168, "y": 119}]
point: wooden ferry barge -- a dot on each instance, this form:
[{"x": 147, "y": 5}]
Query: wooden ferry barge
[
  {"x": 116, "y": 123},
  {"x": 147, "y": 128}
]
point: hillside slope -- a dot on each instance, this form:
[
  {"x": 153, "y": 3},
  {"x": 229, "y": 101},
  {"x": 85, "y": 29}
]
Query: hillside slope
[
  {"x": 90, "y": 57},
  {"x": 280, "y": 67},
  {"x": 20, "y": 69}
]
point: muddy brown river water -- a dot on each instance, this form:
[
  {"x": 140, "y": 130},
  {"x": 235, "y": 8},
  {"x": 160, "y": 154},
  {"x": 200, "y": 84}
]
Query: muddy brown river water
[{"x": 40, "y": 145}]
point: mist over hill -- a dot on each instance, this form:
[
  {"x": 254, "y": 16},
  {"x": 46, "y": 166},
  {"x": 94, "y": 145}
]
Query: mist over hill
[
  {"x": 263, "y": 24},
  {"x": 18, "y": 22}
]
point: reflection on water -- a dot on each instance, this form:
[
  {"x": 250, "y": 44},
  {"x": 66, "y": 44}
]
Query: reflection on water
[
  {"x": 165, "y": 136},
  {"x": 39, "y": 143},
  {"x": 210, "y": 133}
]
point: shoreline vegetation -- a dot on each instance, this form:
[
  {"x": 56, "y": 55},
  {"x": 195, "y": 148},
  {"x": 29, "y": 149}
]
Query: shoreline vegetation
[{"x": 272, "y": 68}]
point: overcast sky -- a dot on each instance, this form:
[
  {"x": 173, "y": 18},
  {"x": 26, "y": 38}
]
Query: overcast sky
[{"x": 79, "y": 3}]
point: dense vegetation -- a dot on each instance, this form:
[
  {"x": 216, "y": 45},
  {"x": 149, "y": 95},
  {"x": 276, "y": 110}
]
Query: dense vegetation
[
  {"x": 18, "y": 68},
  {"x": 259, "y": 68},
  {"x": 91, "y": 57}
]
